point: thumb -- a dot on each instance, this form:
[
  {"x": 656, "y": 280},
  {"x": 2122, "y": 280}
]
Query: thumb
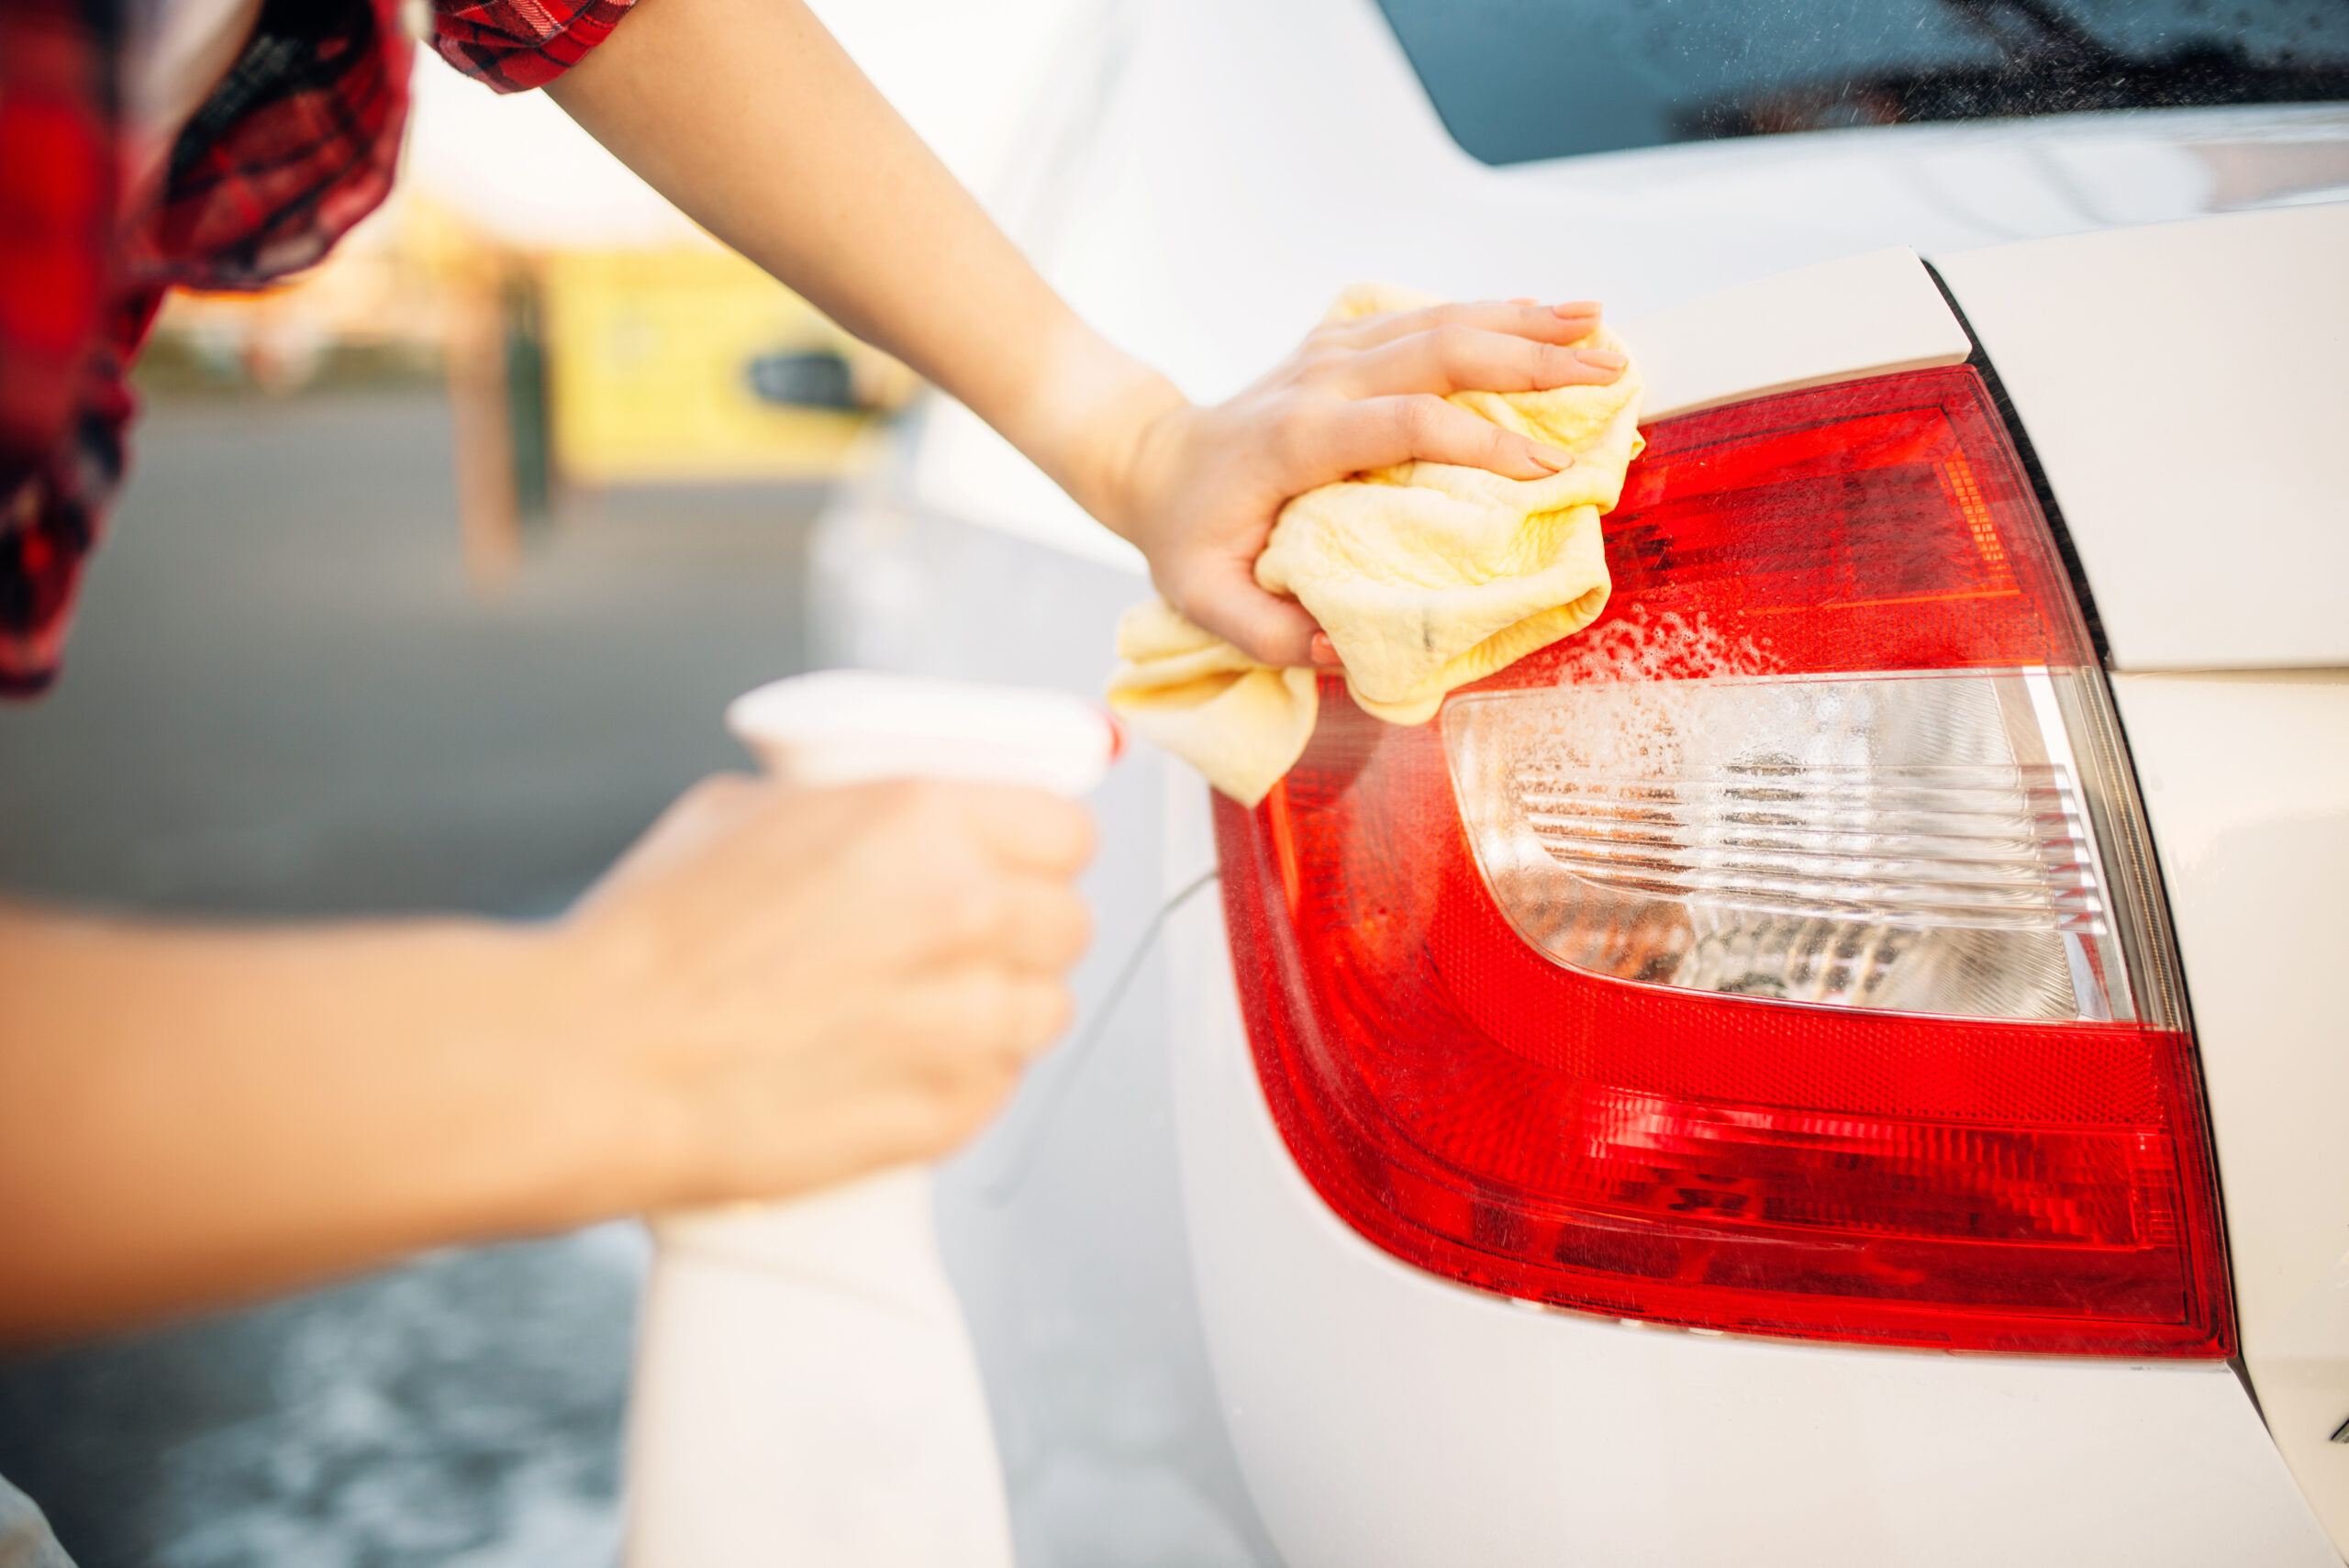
[{"x": 1267, "y": 628}]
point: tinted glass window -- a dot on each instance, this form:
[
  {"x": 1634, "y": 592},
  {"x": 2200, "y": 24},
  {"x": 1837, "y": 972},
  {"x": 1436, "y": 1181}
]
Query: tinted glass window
[{"x": 1521, "y": 79}]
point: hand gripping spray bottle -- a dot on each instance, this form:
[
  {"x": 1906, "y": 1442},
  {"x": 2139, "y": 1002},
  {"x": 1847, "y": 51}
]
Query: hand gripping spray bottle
[{"x": 806, "y": 1392}]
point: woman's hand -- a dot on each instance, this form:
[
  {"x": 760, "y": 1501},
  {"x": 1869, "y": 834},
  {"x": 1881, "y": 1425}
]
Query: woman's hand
[
  {"x": 796, "y": 987},
  {"x": 1200, "y": 488}
]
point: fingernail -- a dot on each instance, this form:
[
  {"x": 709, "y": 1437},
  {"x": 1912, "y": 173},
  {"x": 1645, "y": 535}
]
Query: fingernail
[
  {"x": 1576, "y": 307},
  {"x": 1551, "y": 458},
  {"x": 1324, "y": 651},
  {"x": 1605, "y": 359}
]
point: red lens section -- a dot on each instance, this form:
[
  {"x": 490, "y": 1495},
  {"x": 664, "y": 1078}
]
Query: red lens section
[
  {"x": 1707, "y": 1159},
  {"x": 1883, "y": 525}
]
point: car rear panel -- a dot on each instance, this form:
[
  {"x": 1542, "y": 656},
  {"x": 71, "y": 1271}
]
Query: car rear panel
[
  {"x": 2187, "y": 388},
  {"x": 2246, "y": 781},
  {"x": 1388, "y": 1419},
  {"x": 1383, "y": 1415}
]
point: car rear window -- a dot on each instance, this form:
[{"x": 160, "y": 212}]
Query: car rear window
[{"x": 1516, "y": 80}]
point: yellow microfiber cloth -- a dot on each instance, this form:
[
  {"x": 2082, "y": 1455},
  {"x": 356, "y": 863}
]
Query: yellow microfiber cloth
[{"x": 1425, "y": 575}]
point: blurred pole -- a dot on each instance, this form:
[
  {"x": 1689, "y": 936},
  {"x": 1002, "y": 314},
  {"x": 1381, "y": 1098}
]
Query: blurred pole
[
  {"x": 529, "y": 433},
  {"x": 498, "y": 397},
  {"x": 480, "y": 400}
]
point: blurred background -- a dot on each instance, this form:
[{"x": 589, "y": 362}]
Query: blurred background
[{"x": 435, "y": 569}]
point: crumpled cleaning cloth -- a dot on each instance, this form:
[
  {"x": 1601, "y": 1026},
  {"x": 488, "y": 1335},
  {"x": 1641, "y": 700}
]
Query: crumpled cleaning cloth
[{"x": 1425, "y": 575}]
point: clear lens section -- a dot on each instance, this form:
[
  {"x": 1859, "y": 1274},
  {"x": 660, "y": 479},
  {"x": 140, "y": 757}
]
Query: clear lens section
[{"x": 1919, "y": 843}]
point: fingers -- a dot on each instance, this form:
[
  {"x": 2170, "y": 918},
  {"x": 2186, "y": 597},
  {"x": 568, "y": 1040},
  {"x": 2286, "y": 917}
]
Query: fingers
[
  {"x": 1464, "y": 359},
  {"x": 1034, "y": 1015},
  {"x": 1047, "y": 928},
  {"x": 1224, "y": 598},
  {"x": 1027, "y": 830},
  {"x": 977, "y": 1020},
  {"x": 1027, "y": 926},
  {"x": 1376, "y": 431},
  {"x": 963, "y": 1037},
  {"x": 1559, "y": 323},
  {"x": 816, "y": 981},
  {"x": 1005, "y": 899}
]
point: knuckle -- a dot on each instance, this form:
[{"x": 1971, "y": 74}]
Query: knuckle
[
  {"x": 1319, "y": 359},
  {"x": 1076, "y": 836},
  {"x": 1059, "y": 1012},
  {"x": 899, "y": 825},
  {"x": 971, "y": 1014},
  {"x": 1076, "y": 940},
  {"x": 1040, "y": 1012},
  {"x": 988, "y": 1088},
  {"x": 1420, "y": 417},
  {"x": 721, "y": 787},
  {"x": 961, "y": 1103},
  {"x": 1294, "y": 432},
  {"x": 733, "y": 805},
  {"x": 970, "y": 909},
  {"x": 1014, "y": 1017},
  {"x": 896, "y": 805},
  {"x": 1000, "y": 1018},
  {"x": 719, "y": 792},
  {"x": 934, "y": 800},
  {"x": 1455, "y": 341},
  {"x": 1065, "y": 929},
  {"x": 1009, "y": 1011}
]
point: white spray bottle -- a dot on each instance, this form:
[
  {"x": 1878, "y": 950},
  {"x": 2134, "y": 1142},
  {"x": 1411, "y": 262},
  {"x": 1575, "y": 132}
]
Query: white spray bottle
[{"x": 805, "y": 1390}]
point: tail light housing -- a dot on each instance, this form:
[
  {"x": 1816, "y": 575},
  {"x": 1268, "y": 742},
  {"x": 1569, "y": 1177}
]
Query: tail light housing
[{"x": 1781, "y": 954}]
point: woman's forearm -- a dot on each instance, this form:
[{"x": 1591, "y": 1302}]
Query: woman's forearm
[
  {"x": 196, "y": 1116},
  {"x": 753, "y": 119},
  {"x": 749, "y": 1006},
  {"x": 747, "y": 115}
]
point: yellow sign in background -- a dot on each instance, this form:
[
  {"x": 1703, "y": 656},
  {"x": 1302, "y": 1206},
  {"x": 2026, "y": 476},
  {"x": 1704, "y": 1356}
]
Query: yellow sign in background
[{"x": 649, "y": 358}]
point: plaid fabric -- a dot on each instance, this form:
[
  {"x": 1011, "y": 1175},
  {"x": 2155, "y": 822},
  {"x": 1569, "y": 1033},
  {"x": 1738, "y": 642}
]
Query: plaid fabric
[
  {"x": 57, "y": 181},
  {"x": 295, "y": 144},
  {"x": 514, "y": 45}
]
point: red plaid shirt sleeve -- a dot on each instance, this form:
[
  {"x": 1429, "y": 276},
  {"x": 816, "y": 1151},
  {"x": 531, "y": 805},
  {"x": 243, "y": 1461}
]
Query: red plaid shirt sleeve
[
  {"x": 297, "y": 143},
  {"x": 514, "y": 45}
]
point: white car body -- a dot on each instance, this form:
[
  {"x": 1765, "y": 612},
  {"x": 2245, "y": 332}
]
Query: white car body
[{"x": 2181, "y": 378}]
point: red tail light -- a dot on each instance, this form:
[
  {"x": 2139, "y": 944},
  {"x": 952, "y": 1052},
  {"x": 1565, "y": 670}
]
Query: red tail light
[{"x": 1780, "y": 955}]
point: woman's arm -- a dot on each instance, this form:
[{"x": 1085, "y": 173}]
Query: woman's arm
[
  {"x": 777, "y": 989},
  {"x": 193, "y": 1115},
  {"x": 749, "y": 117}
]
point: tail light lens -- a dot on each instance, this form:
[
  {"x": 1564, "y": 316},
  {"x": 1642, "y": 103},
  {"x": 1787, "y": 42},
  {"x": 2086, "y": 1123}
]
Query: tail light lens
[{"x": 1780, "y": 955}]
